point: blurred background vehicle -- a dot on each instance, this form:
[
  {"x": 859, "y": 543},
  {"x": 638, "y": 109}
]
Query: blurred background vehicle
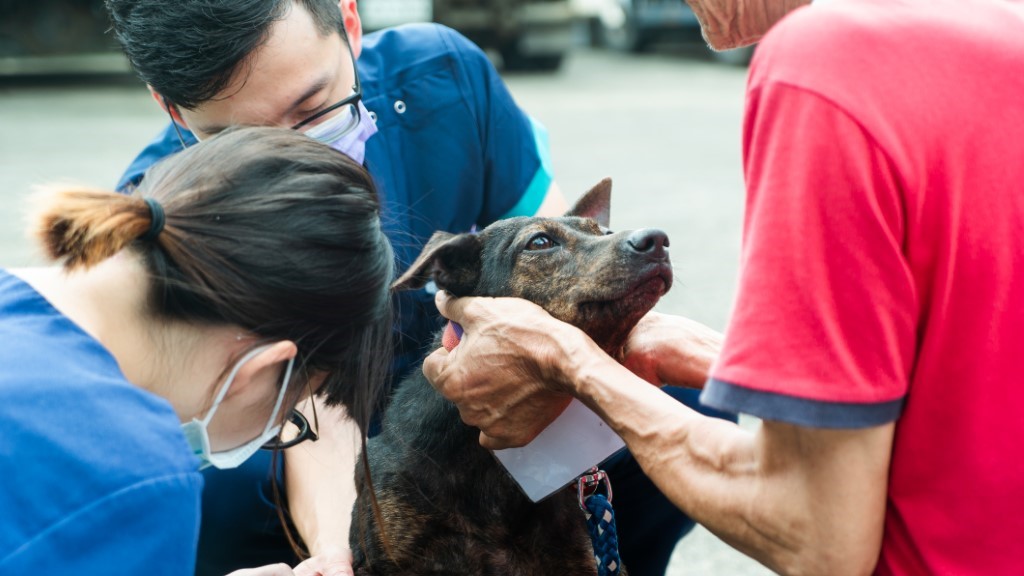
[
  {"x": 69, "y": 37},
  {"x": 57, "y": 37},
  {"x": 636, "y": 25},
  {"x": 529, "y": 34}
]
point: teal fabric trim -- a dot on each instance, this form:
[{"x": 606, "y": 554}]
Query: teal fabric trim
[{"x": 535, "y": 193}]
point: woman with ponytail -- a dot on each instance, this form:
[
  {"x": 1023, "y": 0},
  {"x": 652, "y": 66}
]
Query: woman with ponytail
[{"x": 181, "y": 328}]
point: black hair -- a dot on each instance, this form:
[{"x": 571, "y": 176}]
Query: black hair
[
  {"x": 266, "y": 229},
  {"x": 190, "y": 50}
]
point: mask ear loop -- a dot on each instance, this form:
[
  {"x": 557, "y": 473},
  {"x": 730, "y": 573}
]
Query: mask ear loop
[
  {"x": 231, "y": 378},
  {"x": 177, "y": 130},
  {"x": 280, "y": 395},
  {"x": 312, "y": 406}
]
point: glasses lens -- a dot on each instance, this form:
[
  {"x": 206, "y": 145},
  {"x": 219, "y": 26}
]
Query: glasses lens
[{"x": 335, "y": 125}]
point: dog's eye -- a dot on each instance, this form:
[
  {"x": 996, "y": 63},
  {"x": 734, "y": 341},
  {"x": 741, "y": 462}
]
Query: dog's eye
[{"x": 541, "y": 242}]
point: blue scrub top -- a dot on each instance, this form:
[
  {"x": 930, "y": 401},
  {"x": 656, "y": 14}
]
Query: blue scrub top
[
  {"x": 453, "y": 150},
  {"x": 97, "y": 477}
]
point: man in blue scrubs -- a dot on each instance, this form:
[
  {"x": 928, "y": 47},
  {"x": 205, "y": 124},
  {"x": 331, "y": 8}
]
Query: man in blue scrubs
[{"x": 451, "y": 151}]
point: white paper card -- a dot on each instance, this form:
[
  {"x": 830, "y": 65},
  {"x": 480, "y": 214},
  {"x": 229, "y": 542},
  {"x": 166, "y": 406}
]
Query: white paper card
[{"x": 575, "y": 442}]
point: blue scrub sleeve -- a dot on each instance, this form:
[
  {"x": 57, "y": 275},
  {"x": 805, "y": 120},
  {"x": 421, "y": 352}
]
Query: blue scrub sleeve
[
  {"x": 165, "y": 144},
  {"x": 147, "y": 528},
  {"x": 515, "y": 146}
]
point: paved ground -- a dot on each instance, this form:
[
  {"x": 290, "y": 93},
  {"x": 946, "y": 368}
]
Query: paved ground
[{"x": 665, "y": 127}]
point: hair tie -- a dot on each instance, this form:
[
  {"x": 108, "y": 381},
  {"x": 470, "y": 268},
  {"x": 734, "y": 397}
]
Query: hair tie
[{"x": 156, "y": 221}]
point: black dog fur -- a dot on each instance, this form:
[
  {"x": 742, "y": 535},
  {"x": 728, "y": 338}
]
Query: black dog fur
[{"x": 447, "y": 505}]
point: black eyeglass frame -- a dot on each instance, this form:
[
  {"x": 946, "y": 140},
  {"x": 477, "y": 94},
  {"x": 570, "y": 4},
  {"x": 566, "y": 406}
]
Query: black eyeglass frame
[
  {"x": 306, "y": 432},
  {"x": 353, "y": 98}
]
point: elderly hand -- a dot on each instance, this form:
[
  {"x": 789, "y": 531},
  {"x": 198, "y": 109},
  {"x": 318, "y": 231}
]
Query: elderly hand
[
  {"x": 508, "y": 375},
  {"x": 333, "y": 562},
  {"x": 270, "y": 570},
  {"x": 733, "y": 23},
  {"x": 664, "y": 349}
]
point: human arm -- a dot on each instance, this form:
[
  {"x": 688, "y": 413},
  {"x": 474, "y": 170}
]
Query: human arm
[
  {"x": 268, "y": 570},
  {"x": 554, "y": 203},
  {"x": 822, "y": 336},
  {"x": 800, "y": 500},
  {"x": 149, "y": 527},
  {"x": 333, "y": 562},
  {"x": 320, "y": 486},
  {"x": 666, "y": 349}
]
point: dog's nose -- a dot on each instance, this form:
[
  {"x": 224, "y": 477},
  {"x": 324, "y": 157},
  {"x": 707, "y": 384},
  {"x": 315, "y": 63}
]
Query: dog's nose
[{"x": 649, "y": 241}]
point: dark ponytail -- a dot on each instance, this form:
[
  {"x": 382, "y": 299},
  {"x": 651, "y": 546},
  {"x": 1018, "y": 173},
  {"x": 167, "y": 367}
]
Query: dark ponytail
[{"x": 265, "y": 229}]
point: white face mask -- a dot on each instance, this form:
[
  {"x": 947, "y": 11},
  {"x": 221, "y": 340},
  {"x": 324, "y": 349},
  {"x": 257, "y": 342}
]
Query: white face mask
[{"x": 198, "y": 436}]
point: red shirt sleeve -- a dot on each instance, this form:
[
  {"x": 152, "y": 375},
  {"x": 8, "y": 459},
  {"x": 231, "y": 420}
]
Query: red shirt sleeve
[{"x": 823, "y": 328}]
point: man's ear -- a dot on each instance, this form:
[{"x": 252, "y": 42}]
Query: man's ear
[
  {"x": 353, "y": 25},
  {"x": 162, "y": 103},
  {"x": 451, "y": 260},
  {"x": 596, "y": 203}
]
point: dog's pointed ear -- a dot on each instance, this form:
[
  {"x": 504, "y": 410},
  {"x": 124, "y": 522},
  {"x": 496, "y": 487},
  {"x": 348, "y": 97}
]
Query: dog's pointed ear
[
  {"x": 452, "y": 261},
  {"x": 596, "y": 203}
]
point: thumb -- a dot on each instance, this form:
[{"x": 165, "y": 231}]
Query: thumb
[
  {"x": 449, "y": 306},
  {"x": 434, "y": 364},
  {"x": 492, "y": 443}
]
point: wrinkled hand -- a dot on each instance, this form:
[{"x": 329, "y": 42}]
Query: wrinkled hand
[
  {"x": 270, "y": 570},
  {"x": 664, "y": 349},
  {"x": 733, "y": 23},
  {"x": 333, "y": 562},
  {"x": 508, "y": 374}
]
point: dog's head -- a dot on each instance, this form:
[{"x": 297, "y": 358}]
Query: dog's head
[{"x": 574, "y": 267}]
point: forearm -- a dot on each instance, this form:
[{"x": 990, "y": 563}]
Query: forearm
[
  {"x": 320, "y": 480},
  {"x": 667, "y": 349},
  {"x": 772, "y": 494},
  {"x": 554, "y": 203}
]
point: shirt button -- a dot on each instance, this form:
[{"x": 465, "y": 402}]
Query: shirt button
[
  {"x": 399, "y": 106},
  {"x": 373, "y": 115}
]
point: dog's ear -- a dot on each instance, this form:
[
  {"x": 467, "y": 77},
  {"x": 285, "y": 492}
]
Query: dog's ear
[
  {"x": 595, "y": 204},
  {"x": 451, "y": 260}
]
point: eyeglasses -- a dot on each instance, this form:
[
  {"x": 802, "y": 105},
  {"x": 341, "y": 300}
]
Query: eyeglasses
[
  {"x": 337, "y": 119},
  {"x": 297, "y": 429},
  {"x": 303, "y": 432},
  {"x": 327, "y": 125}
]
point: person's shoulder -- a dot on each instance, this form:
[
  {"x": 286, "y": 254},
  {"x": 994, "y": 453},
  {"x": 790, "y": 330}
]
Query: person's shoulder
[
  {"x": 849, "y": 43},
  {"x": 91, "y": 410},
  {"x": 416, "y": 42},
  {"x": 809, "y": 46},
  {"x": 413, "y": 46}
]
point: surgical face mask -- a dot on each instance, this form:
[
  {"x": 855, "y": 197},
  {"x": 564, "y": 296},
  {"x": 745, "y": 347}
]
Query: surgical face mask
[
  {"x": 198, "y": 436},
  {"x": 347, "y": 131}
]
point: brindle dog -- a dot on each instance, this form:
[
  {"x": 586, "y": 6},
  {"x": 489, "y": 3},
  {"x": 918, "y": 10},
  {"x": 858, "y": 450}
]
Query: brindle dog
[{"x": 446, "y": 504}]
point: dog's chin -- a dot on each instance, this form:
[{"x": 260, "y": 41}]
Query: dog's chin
[
  {"x": 641, "y": 295},
  {"x": 609, "y": 321}
]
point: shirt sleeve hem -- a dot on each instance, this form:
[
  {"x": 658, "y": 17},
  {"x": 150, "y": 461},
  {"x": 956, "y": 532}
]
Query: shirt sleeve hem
[
  {"x": 800, "y": 411},
  {"x": 535, "y": 193}
]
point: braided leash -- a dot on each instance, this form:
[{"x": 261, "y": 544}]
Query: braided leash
[{"x": 600, "y": 520}]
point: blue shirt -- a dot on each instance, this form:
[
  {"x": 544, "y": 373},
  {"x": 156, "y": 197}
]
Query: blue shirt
[
  {"x": 453, "y": 150},
  {"x": 97, "y": 476}
]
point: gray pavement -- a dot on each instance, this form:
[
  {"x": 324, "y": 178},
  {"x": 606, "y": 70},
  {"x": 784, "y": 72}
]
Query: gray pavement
[{"x": 665, "y": 127}]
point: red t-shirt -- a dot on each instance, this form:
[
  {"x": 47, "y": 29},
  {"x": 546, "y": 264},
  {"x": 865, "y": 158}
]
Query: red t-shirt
[{"x": 882, "y": 273}]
